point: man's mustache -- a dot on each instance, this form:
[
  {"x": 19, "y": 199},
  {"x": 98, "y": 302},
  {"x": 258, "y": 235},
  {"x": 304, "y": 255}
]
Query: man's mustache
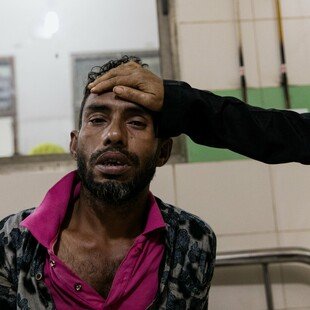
[{"x": 132, "y": 158}]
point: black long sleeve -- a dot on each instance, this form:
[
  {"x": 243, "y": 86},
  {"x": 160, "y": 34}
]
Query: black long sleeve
[{"x": 268, "y": 135}]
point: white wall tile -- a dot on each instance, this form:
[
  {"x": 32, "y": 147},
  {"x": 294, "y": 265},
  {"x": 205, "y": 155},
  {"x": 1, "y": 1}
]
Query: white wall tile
[
  {"x": 209, "y": 55},
  {"x": 233, "y": 197},
  {"x": 204, "y": 10},
  {"x": 292, "y": 196},
  {"x": 163, "y": 184}
]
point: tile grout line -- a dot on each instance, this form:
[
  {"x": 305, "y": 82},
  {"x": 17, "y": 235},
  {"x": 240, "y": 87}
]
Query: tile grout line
[
  {"x": 275, "y": 215},
  {"x": 245, "y": 20}
]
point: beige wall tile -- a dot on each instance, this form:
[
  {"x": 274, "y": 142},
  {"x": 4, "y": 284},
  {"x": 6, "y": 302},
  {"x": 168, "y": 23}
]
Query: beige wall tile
[
  {"x": 19, "y": 191},
  {"x": 295, "y": 239},
  {"x": 240, "y": 288},
  {"x": 293, "y": 8},
  {"x": 209, "y": 55},
  {"x": 249, "y": 242},
  {"x": 233, "y": 197},
  {"x": 204, "y": 10},
  {"x": 296, "y": 279},
  {"x": 163, "y": 184},
  {"x": 296, "y": 276},
  {"x": 246, "y": 9},
  {"x": 305, "y": 7},
  {"x": 246, "y": 242},
  {"x": 250, "y": 54},
  {"x": 292, "y": 196},
  {"x": 268, "y": 52},
  {"x": 263, "y": 8},
  {"x": 297, "y": 48}
]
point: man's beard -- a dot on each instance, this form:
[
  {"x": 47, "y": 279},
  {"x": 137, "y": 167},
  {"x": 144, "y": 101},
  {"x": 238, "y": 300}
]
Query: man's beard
[{"x": 112, "y": 191}]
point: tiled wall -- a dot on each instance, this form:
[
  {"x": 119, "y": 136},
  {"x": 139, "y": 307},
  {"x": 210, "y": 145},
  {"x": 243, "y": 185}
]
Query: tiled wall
[
  {"x": 208, "y": 53},
  {"x": 248, "y": 204},
  {"x": 251, "y": 205}
]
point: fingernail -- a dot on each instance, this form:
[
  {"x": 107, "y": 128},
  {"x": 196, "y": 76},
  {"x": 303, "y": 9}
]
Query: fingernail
[
  {"x": 90, "y": 85},
  {"x": 118, "y": 90}
]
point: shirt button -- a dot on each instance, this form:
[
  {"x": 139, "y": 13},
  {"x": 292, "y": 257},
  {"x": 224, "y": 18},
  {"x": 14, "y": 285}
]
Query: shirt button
[
  {"x": 52, "y": 263},
  {"x": 78, "y": 287},
  {"x": 38, "y": 276}
]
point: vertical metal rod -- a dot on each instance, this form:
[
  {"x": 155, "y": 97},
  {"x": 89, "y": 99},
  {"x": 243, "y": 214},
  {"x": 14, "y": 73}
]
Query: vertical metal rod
[
  {"x": 243, "y": 82},
  {"x": 165, "y": 7},
  {"x": 268, "y": 289},
  {"x": 14, "y": 108},
  {"x": 284, "y": 79}
]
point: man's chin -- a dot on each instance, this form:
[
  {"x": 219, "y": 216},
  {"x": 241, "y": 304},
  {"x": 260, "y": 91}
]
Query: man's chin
[{"x": 111, "y": 191}]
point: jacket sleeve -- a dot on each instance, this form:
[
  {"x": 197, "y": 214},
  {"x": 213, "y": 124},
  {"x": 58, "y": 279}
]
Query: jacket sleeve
[
  {"x": 7, "y": 290},
  {"x": 268, "y": 135}
]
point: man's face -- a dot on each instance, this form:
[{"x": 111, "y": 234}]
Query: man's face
[{"x": 116, "y": 149}]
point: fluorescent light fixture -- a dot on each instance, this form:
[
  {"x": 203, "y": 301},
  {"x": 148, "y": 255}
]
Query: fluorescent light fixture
[{"x": 50, "y": 25}]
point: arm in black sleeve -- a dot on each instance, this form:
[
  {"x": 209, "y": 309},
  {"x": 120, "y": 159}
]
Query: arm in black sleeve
[{"x": 271, "y": 136}]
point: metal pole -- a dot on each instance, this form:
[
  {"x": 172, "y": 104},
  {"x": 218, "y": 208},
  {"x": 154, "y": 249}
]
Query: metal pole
[
  {"x": 240, "y": 51},
  {"x": 268, "y": 289}
]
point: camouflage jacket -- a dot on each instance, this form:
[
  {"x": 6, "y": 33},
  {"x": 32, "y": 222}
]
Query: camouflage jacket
[{"x": 185, "y": 272}]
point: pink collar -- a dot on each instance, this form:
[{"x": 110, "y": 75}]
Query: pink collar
[{"x": 44, "y": 223}]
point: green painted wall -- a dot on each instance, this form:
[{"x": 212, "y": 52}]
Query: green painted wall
[{"x": 271, "y": 97}]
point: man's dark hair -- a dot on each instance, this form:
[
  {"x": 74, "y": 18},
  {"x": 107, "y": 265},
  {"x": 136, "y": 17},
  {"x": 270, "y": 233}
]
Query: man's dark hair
[{"x": 97, "y": 71}]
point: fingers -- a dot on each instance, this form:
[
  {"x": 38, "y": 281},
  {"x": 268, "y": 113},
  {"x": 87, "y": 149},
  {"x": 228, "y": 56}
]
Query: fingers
[
  {"x": 123, "y": 70},
  {"x": 109, "y": 82},
  {"x": 133, "y": 95}
]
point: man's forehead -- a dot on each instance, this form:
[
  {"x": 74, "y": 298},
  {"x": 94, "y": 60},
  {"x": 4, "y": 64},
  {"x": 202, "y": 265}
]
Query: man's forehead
[{"x": 111, "y": 101}]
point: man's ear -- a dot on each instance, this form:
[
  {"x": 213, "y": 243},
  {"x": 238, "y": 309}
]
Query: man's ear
[
  {"x": 74, "y": 143},
  {"x": 165, "y": 147}
]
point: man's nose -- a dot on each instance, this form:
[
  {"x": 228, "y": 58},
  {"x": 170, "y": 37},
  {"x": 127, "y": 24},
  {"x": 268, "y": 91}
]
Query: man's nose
[{"x": 114, "y": 134}]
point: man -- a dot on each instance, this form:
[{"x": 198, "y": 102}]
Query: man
[
  {"x": 271, "y": 136},
  {"x": 100, "y": 239}
]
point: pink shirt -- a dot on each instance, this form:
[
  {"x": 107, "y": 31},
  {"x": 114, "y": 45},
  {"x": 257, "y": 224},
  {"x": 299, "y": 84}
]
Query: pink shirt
[{"x": 136, "y": 281}]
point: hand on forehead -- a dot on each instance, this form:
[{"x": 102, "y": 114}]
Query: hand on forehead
[{"x": 134, "y": 83}]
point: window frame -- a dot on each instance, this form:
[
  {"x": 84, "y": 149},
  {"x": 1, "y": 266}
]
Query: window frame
[{"x": 12, "y": 112}]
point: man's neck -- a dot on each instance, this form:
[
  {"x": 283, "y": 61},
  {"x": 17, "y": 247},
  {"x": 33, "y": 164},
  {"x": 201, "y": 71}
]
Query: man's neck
[{"x": 107, "y": 221}]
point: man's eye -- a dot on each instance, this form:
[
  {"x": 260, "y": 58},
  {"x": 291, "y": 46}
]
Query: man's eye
[
  {"x": 97, "y": 120},
  {"x": 137, "y": 124}
]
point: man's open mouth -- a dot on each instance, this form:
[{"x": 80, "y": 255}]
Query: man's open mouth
[{"x": 113, "y": 163}]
